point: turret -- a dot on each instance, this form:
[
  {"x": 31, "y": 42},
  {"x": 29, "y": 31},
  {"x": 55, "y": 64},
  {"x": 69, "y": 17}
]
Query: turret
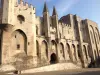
[
  {"x": 55, "y": 21},
  {"x": 46, "y": 23},
  {"x": 54, "y": 12},
  {"x": 45, "y": 8}
]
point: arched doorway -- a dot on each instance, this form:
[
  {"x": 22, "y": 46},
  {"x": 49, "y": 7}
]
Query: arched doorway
[
  {"x": 53, "y": 58},
  {"x": 19, "y": 41}
]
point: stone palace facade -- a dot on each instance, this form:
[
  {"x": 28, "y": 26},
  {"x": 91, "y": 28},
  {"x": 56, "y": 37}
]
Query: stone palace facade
[{"x": 29, "y": 41}]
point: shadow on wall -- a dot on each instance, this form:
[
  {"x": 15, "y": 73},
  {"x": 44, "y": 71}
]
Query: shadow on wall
[
  {"x": 3, "y": 27},
  {"x": 95, "y": 64}
]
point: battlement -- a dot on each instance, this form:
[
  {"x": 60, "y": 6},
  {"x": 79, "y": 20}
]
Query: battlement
[
  {"x": 25, "y": 5},
  {"x": 63, "y": 24}
]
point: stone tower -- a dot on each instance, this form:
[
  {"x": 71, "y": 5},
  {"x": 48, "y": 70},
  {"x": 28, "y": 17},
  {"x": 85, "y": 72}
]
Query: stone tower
[
  {"x": 46, "y": 23},
  {"x": 55, "y": 21},
  {"x": 17, "y": 22},
  {"x": 8, "y": 11}
]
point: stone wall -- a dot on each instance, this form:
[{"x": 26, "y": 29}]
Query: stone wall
[{"x": 33, "y": 41}]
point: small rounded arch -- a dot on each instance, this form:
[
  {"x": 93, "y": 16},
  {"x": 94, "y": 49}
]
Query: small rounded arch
[
  {"x": 53, "y": 42},
  {"x": 44, "y": 41},
  {"x": 61, "y": 44},
  {"x": 73, "y": 45}
]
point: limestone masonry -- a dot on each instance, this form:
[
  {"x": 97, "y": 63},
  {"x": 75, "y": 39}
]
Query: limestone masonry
[{"x": 28, "y": 41}]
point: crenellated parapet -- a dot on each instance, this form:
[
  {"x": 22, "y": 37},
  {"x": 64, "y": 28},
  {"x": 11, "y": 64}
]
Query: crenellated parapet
[
  {"x": 64, "y": 25},
  {"x": 24, "y": 5}
]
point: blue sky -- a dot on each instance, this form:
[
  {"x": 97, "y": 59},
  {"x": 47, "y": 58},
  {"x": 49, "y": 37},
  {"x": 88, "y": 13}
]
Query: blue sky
[{"x": 89, "y": 9}]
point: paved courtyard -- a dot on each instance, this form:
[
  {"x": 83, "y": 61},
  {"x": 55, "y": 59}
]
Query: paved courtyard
[{"x": 94, "y": 71}]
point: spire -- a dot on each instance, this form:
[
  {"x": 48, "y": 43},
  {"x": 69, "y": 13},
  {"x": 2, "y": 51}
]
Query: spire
[
  {"x": 54, "y": 11},
  {"x": 45, "y": 8}
]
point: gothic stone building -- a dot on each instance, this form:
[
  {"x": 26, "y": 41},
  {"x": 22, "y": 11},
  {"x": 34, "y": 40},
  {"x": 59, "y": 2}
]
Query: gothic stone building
[{"x": 28, "y": 40}]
